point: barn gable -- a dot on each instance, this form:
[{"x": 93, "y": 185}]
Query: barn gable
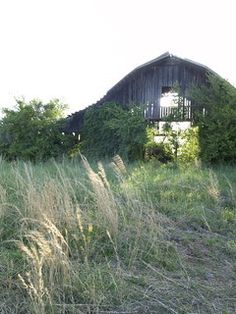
[{"x": 146, "y": 84}]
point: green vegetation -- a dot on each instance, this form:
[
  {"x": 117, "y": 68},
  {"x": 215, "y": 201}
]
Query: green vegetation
[
  {"x": 151, "y": 237},
  {"x": 161, "y": 152},
  {"x": 112, "y": 129},
  {"x": 32, "y": 131},
  {"x": 176, "y": 146},
  {"x": 113, "y": 238},
  {"x": 217, "y": 128},
  {"x": 213, "y": 139}
]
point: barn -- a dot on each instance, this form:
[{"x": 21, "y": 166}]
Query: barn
[{"x": 151, "y": 85}]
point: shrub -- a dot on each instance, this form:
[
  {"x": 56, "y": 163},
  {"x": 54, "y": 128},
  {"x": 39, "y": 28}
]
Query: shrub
[
  {"x": 111, "y": 129},
  {"x": 160, "y": 151},
  {"x": 217, "y": 128},
  {"x": 181, "y": 146},
  {"x": 189, "y": 150},
  {"x": 32, "y": 131}
]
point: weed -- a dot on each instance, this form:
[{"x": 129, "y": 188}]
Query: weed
[{"x": 83, "y": 238}]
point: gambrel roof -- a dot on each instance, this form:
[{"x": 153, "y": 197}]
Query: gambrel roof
[
  {"x": 143, "y": 85},
  {"x": 157, "y": 61}
]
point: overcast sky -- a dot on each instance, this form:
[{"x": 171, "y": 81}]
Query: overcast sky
[{"x": 76, "y": 50}]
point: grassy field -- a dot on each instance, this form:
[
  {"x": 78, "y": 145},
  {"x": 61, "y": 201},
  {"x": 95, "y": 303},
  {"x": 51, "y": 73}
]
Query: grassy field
[{"x": 111, "y": 238}]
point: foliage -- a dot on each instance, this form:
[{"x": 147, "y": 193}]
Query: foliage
[
  {"x": 159, "y": 151},
  {"x": 112, "y": 129},
  {"x": 172, "y": 137},
  {"x": 184, "y": 143},
  {"x": 189, "y": 149},
  {"x": 32, "y": 131},
  {"x": 76, "y": 240},
  {"x": 217, "y": 127},
  {"x": 178, "y": 146}
]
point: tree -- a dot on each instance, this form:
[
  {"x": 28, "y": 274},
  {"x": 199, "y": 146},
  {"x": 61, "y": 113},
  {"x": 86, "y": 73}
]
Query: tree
[
  {"x": 32, "y": 131},
  {"x": 112, "y": 129},
  {"x": 217, "y": 126}
]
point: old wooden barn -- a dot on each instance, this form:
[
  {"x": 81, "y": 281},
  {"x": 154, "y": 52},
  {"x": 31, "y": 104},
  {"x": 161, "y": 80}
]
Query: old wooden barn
[{"x": 150, "y": 84}]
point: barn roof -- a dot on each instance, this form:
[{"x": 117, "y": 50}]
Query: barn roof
[
  {"x": 170, "y": 55},
  {"x": 165, "y": 56},
  {"x": 156, "y": 61}
]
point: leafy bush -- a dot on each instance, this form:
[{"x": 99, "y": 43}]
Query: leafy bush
[
  {"x": 32, "y": 131},
  {"x": 217, "y": 127},
  {"x": 181, "y": 146},
  {"x": 189, "y": 149},
  {"x": 159, "y": 151},
  {"x": 111, "y": 129}
]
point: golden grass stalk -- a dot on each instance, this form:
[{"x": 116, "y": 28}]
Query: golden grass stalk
[
  {"x": 118, "y": 167},
  {"x": 104, "y": 198},
  {"x": 47, "y": 254}
]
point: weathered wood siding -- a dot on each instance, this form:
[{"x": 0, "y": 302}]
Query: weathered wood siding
[{"x": 144, "y": 87}]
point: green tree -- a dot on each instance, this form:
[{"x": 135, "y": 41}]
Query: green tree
[
  {"x": 217, "y": 123},
  {"x": 32, "y": 131},
  {"x": 112, "y": 129}
]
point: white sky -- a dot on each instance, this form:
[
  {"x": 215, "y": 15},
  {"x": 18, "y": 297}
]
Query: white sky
[{"x": 76, "y": 50}]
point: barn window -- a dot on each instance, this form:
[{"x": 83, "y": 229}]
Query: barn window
[
  {"x": 168, "y": 97},
  {"x": 172, "y": 103}
]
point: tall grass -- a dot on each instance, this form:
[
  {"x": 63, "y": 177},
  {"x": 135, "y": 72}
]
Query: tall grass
[{"x": 81, "y": 238}]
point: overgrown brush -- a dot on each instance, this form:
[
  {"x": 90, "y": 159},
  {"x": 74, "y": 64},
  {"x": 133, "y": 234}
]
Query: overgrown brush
[{"x": 81, "y": 238}]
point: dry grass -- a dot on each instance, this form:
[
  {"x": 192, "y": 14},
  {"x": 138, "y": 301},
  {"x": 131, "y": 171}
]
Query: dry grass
[{"x": 146, "y": 240}]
